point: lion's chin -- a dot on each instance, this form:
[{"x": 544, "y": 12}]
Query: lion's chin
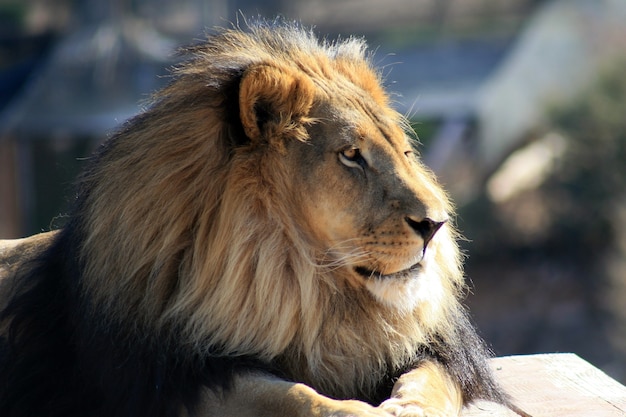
[{"x": 403, "y": 290}]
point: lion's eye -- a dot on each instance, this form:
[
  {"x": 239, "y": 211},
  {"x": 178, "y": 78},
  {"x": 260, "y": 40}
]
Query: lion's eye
[
  {"x": 352, "y": 157},
  {"x": 351, "y": 154}
]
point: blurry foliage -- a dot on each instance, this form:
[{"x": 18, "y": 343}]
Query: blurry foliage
[
  {"x": 592, "y": 177},
  {"x": 12, "y": 13}
]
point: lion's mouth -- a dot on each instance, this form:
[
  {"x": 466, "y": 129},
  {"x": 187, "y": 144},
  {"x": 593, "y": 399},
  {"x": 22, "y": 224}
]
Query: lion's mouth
[{"x": 404, "y": 274}]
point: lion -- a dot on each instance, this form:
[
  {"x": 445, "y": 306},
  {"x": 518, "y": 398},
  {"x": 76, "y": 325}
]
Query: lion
[{"x": 261, "y": 240}]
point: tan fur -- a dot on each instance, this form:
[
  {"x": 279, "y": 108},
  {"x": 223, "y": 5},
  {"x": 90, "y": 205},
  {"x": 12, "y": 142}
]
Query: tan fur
[{"x": 242, "y": 248}]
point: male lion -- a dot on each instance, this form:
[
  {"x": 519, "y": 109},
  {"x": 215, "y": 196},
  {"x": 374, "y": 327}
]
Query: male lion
[{"x": 260, "y": 241}]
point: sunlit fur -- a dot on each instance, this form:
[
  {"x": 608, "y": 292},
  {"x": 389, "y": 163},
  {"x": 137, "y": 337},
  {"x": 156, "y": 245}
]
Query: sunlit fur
[{"x": 188, "y": 226}]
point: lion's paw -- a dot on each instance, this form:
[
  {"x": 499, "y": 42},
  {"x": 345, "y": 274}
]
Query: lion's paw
[
  {"x": 401, "y": 408},
  {"x": 349, "y": 408}
]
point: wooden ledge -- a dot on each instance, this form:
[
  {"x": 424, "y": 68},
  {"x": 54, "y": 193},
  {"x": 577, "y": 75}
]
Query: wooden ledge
[{"x": 554, "y": 385}]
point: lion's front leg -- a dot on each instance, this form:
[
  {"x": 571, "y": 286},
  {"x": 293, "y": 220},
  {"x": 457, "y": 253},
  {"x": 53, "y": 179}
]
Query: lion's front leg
[
  {"x": 259, "y": 395},
  {"x": 427, "y": 391}
]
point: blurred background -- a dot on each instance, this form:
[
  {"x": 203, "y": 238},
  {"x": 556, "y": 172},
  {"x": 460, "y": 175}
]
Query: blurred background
[{"x": 520, "y": 106}]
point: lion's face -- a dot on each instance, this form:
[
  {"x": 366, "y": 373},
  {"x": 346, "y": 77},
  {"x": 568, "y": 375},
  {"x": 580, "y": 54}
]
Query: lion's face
[{"x": 366, "y": 195}]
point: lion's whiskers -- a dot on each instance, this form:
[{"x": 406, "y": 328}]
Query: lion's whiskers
[{"x": 343, "y": 254}]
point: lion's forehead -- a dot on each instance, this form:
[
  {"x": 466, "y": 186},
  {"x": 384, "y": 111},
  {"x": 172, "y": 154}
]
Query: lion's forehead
[{"x": 357, "y": 121}]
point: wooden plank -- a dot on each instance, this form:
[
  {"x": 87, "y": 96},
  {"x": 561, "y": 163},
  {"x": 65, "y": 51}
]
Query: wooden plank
[{"x": 554, "y": 385}]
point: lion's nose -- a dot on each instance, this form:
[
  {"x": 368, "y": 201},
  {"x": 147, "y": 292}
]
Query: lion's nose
[{"x": 426, "y": 228}]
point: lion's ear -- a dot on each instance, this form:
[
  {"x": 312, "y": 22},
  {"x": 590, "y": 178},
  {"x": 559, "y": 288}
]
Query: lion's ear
[{"x": 274, "y": 102}]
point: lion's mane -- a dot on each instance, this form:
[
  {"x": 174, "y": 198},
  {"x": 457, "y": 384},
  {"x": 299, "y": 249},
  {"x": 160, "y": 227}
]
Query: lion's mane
[{"x": 184, "y": 263}]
